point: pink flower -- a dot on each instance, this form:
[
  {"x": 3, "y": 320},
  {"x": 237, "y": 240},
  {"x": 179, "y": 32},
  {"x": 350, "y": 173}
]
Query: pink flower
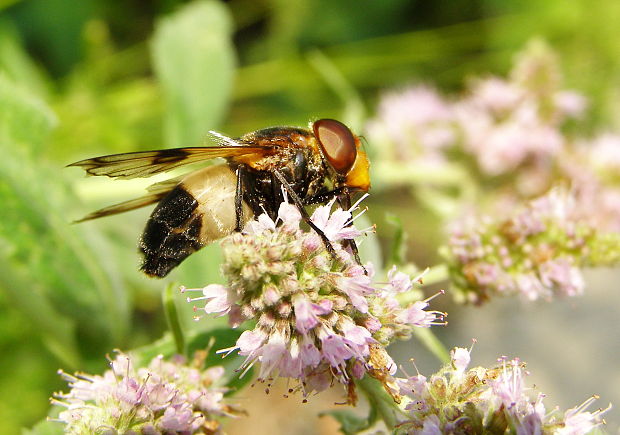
[
  {"x": 335, "y": 225},
  {"x": 335, "y": 350},
  {"x": 357, "y": 285},
  {"x": 570, "y": 104},
  {"x": 508, "y": 387},
  {"x": 450, "y": 399},
  {"x": 220, "y": 301},
  {"x": 537, "y": 252},
  {"x": 289, "y": 215},
  {"x": 177, "y": 418},
  {"x": 399, "y": 282},
  {"x": 261, "y": 225},
  {"x": 560, "y": 274},
  {"x": 250, "y": 341},
  {"x": 460, "y": 358},
  {"x": 314, "y": 312},
  {"x": 166, "y": 396},
  {"x": 496, "y": 95},
  {"x": 305, "y": 318},
  {"x": 412, "y": 384},
  {"x": 415, "y": 315},
  {"x": 306, "y": 312},
  {"x": 431, "y": 426},
  {"x": 578, "y": 421},
  {"x": 272, "y": 353},
  {"x": 310, "y": 356}
]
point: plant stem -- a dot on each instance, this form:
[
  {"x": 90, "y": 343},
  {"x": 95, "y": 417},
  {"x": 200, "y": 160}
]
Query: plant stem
[
  {"x": 381, "y": 404},
  {"x": 432, "y": 343},
  {"x": 172, "y": 318}
]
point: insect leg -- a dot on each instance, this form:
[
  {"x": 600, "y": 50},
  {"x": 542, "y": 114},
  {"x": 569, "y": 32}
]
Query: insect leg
[
  {"x": 300, "y": 206},
  {"x": 323, "y": 196},
  {"x": 344, "y": 200},
  {"x": 240, "y": 172}
]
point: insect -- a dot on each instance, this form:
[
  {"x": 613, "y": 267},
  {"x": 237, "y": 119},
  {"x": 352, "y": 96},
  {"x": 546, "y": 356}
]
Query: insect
[{"x": 311, "y": 165}]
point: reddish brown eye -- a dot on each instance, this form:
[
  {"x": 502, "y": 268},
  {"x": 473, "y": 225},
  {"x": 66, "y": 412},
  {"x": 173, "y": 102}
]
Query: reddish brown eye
[{"x": 337, "y": 142}]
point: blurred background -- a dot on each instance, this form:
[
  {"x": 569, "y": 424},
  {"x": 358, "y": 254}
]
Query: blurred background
[{"x": 87, "y": 78}]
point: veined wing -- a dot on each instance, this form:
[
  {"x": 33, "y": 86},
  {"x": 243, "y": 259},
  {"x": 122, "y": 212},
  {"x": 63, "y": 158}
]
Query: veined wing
[
  {"x": 147, "y": 163},
  {"x": 156, "y": 192},
  {"x": 132, "y": 204}
]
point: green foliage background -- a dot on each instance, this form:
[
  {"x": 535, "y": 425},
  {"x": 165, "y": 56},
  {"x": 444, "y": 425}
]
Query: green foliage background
[{"x": 79, "y": 79}]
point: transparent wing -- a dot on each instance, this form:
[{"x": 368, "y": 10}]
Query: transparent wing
[
  {"x": 123, "y": 206},
  {"x": 156, "y": 192},
  {"x": 148, "y": 163}
]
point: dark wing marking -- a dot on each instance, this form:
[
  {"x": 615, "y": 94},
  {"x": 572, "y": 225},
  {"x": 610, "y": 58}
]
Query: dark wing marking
[
  {"x": 147, "y": 163},
  {"x": 156, "y": 192}
]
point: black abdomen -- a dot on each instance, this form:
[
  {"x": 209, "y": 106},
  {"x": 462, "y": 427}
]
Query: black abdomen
[{"x": 171, "y": 234}]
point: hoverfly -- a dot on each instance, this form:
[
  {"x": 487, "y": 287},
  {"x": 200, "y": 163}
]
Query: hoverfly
[{"x": 311, "y": 165}]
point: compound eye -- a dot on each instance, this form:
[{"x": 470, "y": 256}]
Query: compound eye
[{"x": 337, "y": 142}]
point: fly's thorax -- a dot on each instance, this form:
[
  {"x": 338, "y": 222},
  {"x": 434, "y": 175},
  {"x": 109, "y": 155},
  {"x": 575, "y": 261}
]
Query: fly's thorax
[{"x": 282, "y": 145}]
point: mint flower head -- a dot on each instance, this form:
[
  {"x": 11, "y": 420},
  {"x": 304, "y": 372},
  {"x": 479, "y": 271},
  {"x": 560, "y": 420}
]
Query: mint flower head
[
  {"x": 319, "y": 318},
  {"x": 500, "y": 129},
  {"x": 513, "y": 125},
  {"x": 480, "y": 400},
  {"x": 538, "y": 252},
  {"x": 594, "y": 173},
  {"x": 415, "y": 124},
  {"x": 165, "y": 397}
]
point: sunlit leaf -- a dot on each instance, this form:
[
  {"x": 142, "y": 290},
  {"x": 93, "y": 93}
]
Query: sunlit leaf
[{"x": 194, "y": 60}]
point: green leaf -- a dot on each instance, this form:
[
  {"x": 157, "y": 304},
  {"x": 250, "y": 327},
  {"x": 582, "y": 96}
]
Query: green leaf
[
  {"x": 45, "y": 427},
  {"x": 16, "y": 63},
  {"x": 194, "y": 59},
  {"x": 6, "y": 3},
  {"x": 399, "y": 246},
  {"x": 382, "y": 406},
  {"x": 350, "y": 423},
  {"x": 66, "y": 268},
  {"x": 222, "y": 338},
  {"x": 58, "y": 331},
  {"x": 24, "y": 118},
  {"x": 141, "y": 356},
  {"x": 211, "y": 341},
  {"x": 215, "y": 339}
]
